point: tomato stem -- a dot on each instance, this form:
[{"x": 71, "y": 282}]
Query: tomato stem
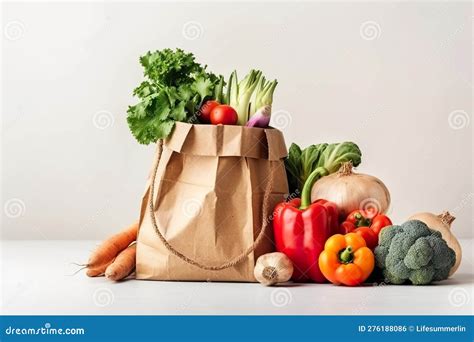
[{"x": 362, "y": 221}]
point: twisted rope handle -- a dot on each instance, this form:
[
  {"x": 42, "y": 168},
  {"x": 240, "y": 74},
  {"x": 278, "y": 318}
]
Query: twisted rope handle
[{"x": 234, "y": 261}]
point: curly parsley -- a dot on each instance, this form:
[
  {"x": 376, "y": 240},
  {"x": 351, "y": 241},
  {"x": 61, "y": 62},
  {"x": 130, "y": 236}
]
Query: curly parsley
[{"x": 174, "y": 88}]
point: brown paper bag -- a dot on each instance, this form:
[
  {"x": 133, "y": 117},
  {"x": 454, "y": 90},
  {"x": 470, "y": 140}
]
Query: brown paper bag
[{"x": 214, "y": 189}]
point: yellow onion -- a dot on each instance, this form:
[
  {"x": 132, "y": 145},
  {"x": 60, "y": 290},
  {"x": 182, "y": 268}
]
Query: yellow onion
[{"x": 351, "y": 191}]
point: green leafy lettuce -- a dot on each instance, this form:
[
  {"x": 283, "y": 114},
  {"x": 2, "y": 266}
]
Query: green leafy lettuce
[{"x": 174, "y": 88}]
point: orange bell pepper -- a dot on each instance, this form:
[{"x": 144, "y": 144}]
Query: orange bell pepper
[{"x": 346, "y": 260}]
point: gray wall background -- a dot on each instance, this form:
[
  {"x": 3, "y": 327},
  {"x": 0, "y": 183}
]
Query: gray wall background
[{"x": 394, "y": 77}]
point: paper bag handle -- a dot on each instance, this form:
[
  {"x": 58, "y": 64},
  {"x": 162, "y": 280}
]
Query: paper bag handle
[{"x": 234, "y": 261}]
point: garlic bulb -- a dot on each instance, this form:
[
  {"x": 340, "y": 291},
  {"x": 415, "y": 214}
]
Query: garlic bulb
[
  {"x": 351, "y": 191},
  {"x": 272, "y": 268},
  {"x": 442, "y": 223}
]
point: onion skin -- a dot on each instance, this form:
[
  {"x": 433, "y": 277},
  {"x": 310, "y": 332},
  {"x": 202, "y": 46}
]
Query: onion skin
[
  {"x": 442, "y": 223},
  {"x": 352, "y": 191}
]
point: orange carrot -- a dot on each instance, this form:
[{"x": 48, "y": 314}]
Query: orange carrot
[
  {"x": 123, "y": 265},
  {"x": 97, "y": 271},
  {"x": 105, "y": 254}
]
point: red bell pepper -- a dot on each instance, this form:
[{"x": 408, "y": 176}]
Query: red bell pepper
[
  {"x": 366, "y": 224},
  {"x": 301, "y": 230},
  {"x": 333, "y": 216},
  {"x": 301, "y": 234}
]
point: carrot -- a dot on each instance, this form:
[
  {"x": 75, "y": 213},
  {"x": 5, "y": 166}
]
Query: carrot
[
  {"x": 123, "y": 265},
  {"x": 97, "y": 270},
  {"x": 105, "y": 254}
]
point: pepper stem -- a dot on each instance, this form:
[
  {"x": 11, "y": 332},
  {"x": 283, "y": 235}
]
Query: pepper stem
[
  {"x": 308, "y": 185},
  {"x": 346, "y": 255}
]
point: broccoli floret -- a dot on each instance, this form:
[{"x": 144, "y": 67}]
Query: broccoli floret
[
  {"x": 419, "y": 254},
  {"x": 413, "y": 252},
  {"x": 422, "y": 276}
]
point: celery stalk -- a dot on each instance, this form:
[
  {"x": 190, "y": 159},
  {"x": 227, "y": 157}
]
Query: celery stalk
[
  {"x": 246, "y": 89},
  {"x": 218, "y": 90},
  {"x": 265, "y": 97},
  {"x": 233, "y": 90},
  {"x": 249, "y": 95},
  {"x": 258, "y": 89}
]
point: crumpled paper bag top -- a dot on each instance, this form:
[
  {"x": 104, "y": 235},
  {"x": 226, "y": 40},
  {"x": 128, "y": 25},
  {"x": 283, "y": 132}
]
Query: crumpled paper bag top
[{"x": 227, "y": 141}]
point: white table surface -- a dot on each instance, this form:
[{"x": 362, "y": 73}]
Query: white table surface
[{"x": 36, "y": 279}]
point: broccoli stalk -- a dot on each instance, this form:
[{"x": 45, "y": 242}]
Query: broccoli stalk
[{"x": 413, "y": 252}]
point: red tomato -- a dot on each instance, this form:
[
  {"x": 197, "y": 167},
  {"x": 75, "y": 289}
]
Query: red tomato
[
  {"x": 379, "y": 222},
  {"x": 223, "y": 115},
  {"x": 347, "y": 227},
  {"x": 205, "y": 111},
  {"x": 370, "y": 237}
]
